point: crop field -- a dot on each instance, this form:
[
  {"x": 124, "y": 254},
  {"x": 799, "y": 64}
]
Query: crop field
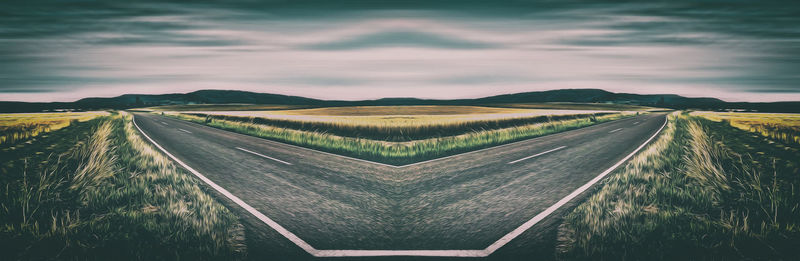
[
  {"x": 577, "y": 106},
  {"x": 96, "y": 190},
  {"x": 15, "y": 127},
  {"x": 223, "y": 107},
  {"x": 400, "y": 123},
  {"x": 784, "y": 127},
  {"x": 703, "y": 191},
  {"x": 421, "y": 133}
]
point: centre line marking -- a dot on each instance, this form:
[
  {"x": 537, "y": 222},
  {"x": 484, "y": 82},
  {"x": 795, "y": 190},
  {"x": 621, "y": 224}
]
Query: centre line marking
[
  {"x": 615, "y": 130},
  {"x": 164, "y": 123},
  {"x": 635, "y": 123},
  {"x": 262, "y": 155},
  {"x": 184, "y": 130},
  {"x": 537, "y": 155}
]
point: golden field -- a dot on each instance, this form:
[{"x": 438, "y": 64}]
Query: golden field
[
  {"x": 19, "y": 126},
  {"x": 784, "y": 127},
  {"x": 400, "y": 116}
]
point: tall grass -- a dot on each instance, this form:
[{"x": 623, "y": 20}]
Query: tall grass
[
  {"x": 399, "y": 153},
  {"x": 387, "y": 131},
  {"x": 110, "y": 196},
  {"x": 688, "y": 196}
]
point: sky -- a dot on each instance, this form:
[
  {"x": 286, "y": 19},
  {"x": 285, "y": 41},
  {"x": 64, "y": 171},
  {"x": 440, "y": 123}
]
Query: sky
[{"x": 352, "y": 50}]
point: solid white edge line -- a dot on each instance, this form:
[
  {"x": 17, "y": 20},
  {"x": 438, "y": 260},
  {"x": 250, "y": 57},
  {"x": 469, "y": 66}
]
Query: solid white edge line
[
  {"x": 435, "y": 253},
  {"x": 537, "y": 155},
  {"x": 262, "y": 155},
  {"x": 513, "y": 234},
  {"x": 283, "y": 231}
]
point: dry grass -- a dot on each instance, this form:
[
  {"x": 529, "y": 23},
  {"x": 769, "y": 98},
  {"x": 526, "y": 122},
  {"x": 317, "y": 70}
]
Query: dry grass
[
  {"x": 783, "y": 127},
  {"x": 109, "y": 195},
  {"x": 15, "y": 127},
  {"x": 223, "y": 107},
  {"x": 693, "y": 194},
  {"x": 399, "y": 123},
  {"x": 402, "y": 152}
]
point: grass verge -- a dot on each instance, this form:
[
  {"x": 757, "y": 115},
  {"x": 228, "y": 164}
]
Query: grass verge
[
  {"x": 400, "y": 153},
  {"x": 106, "y": 194},
  {"x": 702, "y": 191}
]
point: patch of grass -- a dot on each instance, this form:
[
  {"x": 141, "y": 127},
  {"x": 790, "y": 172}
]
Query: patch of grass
[
  {"x": 405, "y": 128},
  {"x": 16, "y": 127},
  {"x": 106, "y": 194},
  {"x": 576, "y": 106},
  {"x": 399, "y": 153},
  {"x": 225, "y": 107},
  {"x": 702, "y": 191},
  {"x": 781, "y": 127}
]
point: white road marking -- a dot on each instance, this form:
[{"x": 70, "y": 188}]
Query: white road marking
[
  {"x": 537, "y": 155},
  {"x": 164, "y": 123},
  {"x": 615, "y": 130},
  {"x": 635, "y": 123},
  {"x": 262, "y": 155},
  {"x": 438, "y": 253},
  {"x": 184, "y": 130}
]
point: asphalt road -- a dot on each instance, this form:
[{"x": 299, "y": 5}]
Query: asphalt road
[{"x": 463, "y": 202}]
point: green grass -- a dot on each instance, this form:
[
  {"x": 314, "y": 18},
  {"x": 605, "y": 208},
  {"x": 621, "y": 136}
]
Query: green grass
[
  {"x": 576, "y": 106},
  {"x": 703, "y": 191},
  {"x": 97, "y": 191},
  {"x": 226, "y": 107},
  {"x": 399, "y": 153},
  {"x": 403, "y": 132}
]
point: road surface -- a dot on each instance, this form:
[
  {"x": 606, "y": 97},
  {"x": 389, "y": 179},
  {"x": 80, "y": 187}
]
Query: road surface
[{"x": 471, "y": 204}]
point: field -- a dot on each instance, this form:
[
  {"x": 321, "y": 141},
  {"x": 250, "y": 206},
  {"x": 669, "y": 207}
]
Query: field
[
  {"x": 223, "y": 107},
  {"x": 400, "y": 134},
  {"x": 399, "y": 123},
  {"x": 15, "y": 127},
  {"x": 95, "y": 190},
  {"x": 703, "y": 191},
  {"x": 577, "y": 106},
  {"x": 784, "y": 127}
]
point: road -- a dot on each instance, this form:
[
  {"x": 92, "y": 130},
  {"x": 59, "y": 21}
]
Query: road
[{"x": 471, "y": 204}]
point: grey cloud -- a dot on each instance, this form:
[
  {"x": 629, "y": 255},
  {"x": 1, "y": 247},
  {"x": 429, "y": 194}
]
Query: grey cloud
[{"x": 399, "y": 38}]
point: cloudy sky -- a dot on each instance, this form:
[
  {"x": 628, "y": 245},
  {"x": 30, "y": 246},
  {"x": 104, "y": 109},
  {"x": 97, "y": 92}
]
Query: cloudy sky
[{"x": 66, "y": 50}]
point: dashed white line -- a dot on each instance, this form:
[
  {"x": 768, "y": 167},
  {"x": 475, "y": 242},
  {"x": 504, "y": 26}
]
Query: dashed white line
[
  {"x": 537, "y": 155},
  {"x": 164, "y": 123},
  {"x": 615, "y": 130},
  {"x": 184, "y": 130},
  {"x": 262, "y": 155},
  {"x": 635, "y": 123}
]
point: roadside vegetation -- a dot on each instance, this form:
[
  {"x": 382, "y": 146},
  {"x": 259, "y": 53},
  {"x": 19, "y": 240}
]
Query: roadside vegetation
[
  {"x": 405, "y": 127},
  {"x": 15, "y": 127},
  {"x": 224, "y": 107},
  {"x": 399, "y": 153},
  {"x": 96, "y": 191},
  {"x": 576, "y": 106},
  {"x": 702, "y": 191}
]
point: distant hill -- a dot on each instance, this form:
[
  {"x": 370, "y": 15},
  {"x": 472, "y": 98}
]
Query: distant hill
[{"x": 566, "y": 95}]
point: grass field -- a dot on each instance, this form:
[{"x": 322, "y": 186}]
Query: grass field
[
  {"x": 405, "y": 152},
  {"x": 784, "y": 127},
  {"x": 703, "y": 191},
  {"x": 224, "y": 107},
  {"x": 15, "y": 127},
  {"x": 400, "y": 123},
  {"x": 96, "y": 191},
  {"x": 576, "y": 106}
]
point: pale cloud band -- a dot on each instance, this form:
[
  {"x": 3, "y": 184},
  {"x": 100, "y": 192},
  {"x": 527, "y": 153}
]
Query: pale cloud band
[{"x": 367, "y": 53}]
